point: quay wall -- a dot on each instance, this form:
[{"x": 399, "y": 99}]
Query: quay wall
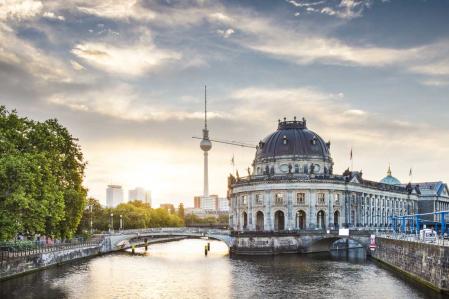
[
  {"x": 22, "y": 265},
  {"x": 423, "y": 262},
  {"x": 247, "y": 244}
]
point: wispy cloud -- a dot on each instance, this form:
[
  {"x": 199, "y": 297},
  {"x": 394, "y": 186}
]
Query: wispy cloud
[{"x": 126, "y": 60}]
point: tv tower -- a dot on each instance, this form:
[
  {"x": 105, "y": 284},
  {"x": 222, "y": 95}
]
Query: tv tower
[{"x": 205, "y": 145}]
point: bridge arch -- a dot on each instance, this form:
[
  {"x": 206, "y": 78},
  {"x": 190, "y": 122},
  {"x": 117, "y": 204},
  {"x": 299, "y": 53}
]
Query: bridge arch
[{"x": 325, "y": 244}]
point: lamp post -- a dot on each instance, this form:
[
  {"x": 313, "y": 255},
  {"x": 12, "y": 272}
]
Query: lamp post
[
  {"x": 121, "y": 223},
  {"x": 112, "y": 222},
  {"x": 91, "y": 226}
]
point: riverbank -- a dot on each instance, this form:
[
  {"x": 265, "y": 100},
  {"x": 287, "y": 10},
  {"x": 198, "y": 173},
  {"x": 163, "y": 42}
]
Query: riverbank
[
  {"x": 427, "y": 264},
  {"x": 23, "y": 265}
]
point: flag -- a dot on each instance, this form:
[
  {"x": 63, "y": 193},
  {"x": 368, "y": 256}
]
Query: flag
[
  {"x": 410, "y": 172},
  {"x": 350, "y": 154},
  {"x": 232, "y": 161}
]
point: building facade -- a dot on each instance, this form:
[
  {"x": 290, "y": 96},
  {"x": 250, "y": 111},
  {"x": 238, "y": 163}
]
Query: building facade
[
  {"x": 433, "y": 197},
  {"x": 292, "y": 187},
  {"x": 114, "y": 195},
  {"x": 141, "y": 194}
]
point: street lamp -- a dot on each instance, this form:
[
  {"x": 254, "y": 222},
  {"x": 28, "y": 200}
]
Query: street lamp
[
  {"x": 121, "y": 223},
  {"x": 91, "y": 226},
  {"x": 112, "y": 222}
]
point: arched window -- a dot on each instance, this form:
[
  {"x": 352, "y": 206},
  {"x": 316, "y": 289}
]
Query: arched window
[
  {"x": 245, "y": 220},
  {"x": 336, "y": 219},
  {"x": 259, "y": 221},
  {"x": 279, "y": 221},
  {"x": 300, "y": 219},
  {"x": 320, "y": 220}
]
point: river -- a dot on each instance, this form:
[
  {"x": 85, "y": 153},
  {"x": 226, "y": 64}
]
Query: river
[{"x": 180, "y": 270}]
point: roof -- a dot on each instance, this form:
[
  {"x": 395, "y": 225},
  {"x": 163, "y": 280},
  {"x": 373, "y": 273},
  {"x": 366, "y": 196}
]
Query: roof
[
  {"x": 292, "y": 138},
  {"x": 433, "y": 188}
]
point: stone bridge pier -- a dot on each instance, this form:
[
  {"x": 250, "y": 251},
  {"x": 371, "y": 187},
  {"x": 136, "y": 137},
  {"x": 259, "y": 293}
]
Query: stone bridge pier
[{"x": 253, "y": 243}]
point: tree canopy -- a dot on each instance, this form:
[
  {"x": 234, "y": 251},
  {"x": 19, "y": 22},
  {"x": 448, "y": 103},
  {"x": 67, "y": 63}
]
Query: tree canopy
[
  {"x": 41, "y": 176},
  {"x": 135, "y": 214}
]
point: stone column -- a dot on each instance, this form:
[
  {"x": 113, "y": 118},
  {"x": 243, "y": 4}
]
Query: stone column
[
  {"x": 312, "y": 202},
  {"x": 330, "y": 211},
  {"x": 290, "y": 224},
  {"x": 267, "y": 216},
  {"x": 250, "y": 210}
]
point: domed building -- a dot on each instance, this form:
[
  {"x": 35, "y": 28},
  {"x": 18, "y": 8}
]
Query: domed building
[
  {"x": 389, "y": 179},
  {"x": 292, "y": 187}
]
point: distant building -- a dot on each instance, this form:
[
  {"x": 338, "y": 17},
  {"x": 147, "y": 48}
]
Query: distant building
[
  {"x": 433, "y": 197},
  {"x": 114, "y": 196},
  {"x": 168, "y": 206},
  {"x": 140, "y": 194},
  {"x": 222, "y": 204},
  {"x": 197, "y": 202},
  {"x": 209, "y": 203}
]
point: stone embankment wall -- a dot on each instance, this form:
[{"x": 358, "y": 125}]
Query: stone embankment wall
[
  {"x": 426, "y": 263},
  {"x": 40, "y": 261}
]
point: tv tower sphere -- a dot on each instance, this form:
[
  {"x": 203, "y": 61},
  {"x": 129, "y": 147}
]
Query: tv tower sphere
[{"x": 205, "y": 145}]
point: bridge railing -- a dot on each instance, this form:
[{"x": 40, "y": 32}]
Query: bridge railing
[
  {"x": 172, "y": 230},
  {"x": 439, "y": 240},
  {"x": 8, "y": 253}
]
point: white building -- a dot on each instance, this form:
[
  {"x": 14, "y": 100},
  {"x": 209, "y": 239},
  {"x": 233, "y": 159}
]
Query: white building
[
  {"x": 114, "y": 196},
  {"x": 292, "y": 187},
  {"x": 223, "y": 204},
  {"x": 209, "y": 203},
  {"x": 141, "y": 194}
]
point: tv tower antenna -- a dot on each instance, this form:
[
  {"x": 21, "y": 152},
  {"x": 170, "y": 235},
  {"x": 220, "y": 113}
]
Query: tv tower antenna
[{"x": 205, "y": 145}]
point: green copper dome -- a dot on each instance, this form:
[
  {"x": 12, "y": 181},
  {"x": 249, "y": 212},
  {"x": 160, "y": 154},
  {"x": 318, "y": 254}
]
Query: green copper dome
[{"x": 389, "y": 179}]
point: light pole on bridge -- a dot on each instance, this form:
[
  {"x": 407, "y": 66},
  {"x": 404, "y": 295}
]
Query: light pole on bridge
[
  {"x": 121, "y": 223},
  {"x": 112, "y": 222}
]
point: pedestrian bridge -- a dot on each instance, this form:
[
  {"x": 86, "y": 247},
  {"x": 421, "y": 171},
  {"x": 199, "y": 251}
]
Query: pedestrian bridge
[
  {"x": 243, "y": 242},
  {"x": 123, "y": 239}
]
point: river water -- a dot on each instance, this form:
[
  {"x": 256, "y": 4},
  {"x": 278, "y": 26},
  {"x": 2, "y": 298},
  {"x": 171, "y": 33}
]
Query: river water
[{"x": 180, "y": 270}]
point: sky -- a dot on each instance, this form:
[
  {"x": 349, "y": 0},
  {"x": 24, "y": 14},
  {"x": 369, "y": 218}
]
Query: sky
[{"x": 127, "y": 79}]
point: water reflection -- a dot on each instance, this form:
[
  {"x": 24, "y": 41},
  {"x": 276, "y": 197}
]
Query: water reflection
[{"x": 180, "y": 270}]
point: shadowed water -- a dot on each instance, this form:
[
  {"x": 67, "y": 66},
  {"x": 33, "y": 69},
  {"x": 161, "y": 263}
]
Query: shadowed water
[{"x": 180, "y": 270}]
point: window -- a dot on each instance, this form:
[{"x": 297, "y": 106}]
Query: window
[
  {"x": 337, "y": 199},
  {"x": 259, "y": 199},
  {"x": 300, "y": 198},
  {"x": 244, "y": 199},
  {"x": 321, "y": 198},
  {"x": 279, "y": 198}
]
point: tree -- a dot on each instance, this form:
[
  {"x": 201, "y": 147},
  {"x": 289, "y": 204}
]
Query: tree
[
  {"x": 181, "y": 210},
  {"x": 41, "y": 176}
]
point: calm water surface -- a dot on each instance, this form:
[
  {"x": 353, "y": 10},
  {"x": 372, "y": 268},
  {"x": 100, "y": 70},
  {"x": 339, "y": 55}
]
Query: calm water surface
[{"x": 180, "y": 270}]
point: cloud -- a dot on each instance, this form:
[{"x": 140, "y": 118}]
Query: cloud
[
  {"x": 435, "y": 83},
  {"x": 336, "y": 119},
  {"x": 226, "y": 33},
  {"x": 124, "y": 9},
  {"x": 24, "y": 55},
  {"x": 19, "y": 9},
  {"x": 123, "y": 102},
  {"x": 345, "y": 9},
  {"x": 53, "y": 16},
  {"x": 132, "y": 60}
]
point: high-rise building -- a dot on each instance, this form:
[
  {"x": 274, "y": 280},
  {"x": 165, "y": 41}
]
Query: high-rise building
[
  {"x": 114, "y": 196},
  {"x": 141, "y": 194},
  {"x": 197, "y": 202},
  {"x": 223, "y": 204}
]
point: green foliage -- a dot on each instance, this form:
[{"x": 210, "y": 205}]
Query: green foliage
[
  {"x": 135, "y": 214},
  {"x": 41, "y": 174},
  {"x": 181, "y": 211},
  {"x": 192, "y": 220}
]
